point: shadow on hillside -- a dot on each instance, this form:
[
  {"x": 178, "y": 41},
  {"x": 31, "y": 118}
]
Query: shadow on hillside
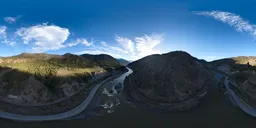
[
  {"x": 13, "y": 78},
  {"x": 238, "y": 72},
  {"x": 233, "y": 65}
]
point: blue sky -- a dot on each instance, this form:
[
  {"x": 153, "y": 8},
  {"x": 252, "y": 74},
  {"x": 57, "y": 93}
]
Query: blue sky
[{"x": 129, "y": 29}]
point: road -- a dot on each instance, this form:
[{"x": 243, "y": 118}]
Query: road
[
  {"x": 60, "y": 116},
  {"x": 238, "y": 101}
]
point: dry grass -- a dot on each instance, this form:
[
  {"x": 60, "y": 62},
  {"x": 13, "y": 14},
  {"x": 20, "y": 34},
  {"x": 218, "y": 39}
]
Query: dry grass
[{"x": 74, "y": 71}]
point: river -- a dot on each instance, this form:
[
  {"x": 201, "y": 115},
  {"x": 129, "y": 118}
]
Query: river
[{"x": 110, "y": 109}]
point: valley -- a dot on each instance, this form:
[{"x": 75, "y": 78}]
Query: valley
[{"x": 104, "y": 87}]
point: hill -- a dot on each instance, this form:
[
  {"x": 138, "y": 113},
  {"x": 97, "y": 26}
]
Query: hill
[
  {"x": 123, "y": 61},
  {"x": 240, "y": 63},
  {"x": 103, "y": 60},
  {"x": 175, "y": 79},
  {"x": 40, "y": 77}
]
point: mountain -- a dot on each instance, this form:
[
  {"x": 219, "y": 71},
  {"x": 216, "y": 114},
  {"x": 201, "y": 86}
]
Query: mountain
[
  {"x": 44, "y": 77},
  {"x": 233, "y": 64},
  {"x": 123, "y": 61},
  {"x": 103, "y": 60},
  {"x": 175, "y": 79}
]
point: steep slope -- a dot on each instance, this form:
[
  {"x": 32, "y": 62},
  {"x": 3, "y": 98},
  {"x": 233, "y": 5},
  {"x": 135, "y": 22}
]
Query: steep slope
[{"x": 176, "y": 79}]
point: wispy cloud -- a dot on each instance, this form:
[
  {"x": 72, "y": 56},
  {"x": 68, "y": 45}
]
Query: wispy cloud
[
  {"x": 3, "y": 31},
  {"x": 113, "y": 48},
  {"x": 85, "y": 42},
  {"x": 12, "y": 20},
  {"x": 78, "y": 41},
  {"x": 145, "y": 44},
  {"x": 234, "y": 20},
  {"x": 3, "y": 37},
  {"x": 44, "y": 37},
  {"x": 126, "y": 43}
]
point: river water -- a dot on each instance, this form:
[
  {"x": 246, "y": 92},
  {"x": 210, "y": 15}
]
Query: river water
[{"x": 109, "y": 108}]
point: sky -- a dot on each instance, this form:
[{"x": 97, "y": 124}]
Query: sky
[{"x": 129, "y": 29}]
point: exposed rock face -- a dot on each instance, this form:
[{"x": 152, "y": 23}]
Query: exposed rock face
[
  {"x": 175, "y": 79},
  {"x": 30, "y": 91},
  {"x": 70, "y": 89}
]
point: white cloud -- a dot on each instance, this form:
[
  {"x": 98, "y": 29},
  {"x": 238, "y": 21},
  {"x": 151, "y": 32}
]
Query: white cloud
[
  {"x": 145, "y": 45},
  {"x": 112, "y": 48},
  {"x": 231, "y": 19},
  {"x": 11, "y": 20},
  {"x": 79, "y": 41},
  {"x": 126, "y": 43},
  {"x": 85, "y": 42},
  {"x": 3, "y": 37},
  {"x": 9, "y": 43},
  {"x": 3, "y": 31},
  {"x": 44, "y": 37}
]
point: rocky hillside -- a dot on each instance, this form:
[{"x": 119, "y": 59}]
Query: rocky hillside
[
  {"x": 176, "y": 79},
  {"x": 241, "y": 63},
  {"x": 28, "y": 78}
]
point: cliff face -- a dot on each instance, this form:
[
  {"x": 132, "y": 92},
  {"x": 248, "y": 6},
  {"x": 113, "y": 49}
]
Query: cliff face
[{"x": 174, "y": 77}]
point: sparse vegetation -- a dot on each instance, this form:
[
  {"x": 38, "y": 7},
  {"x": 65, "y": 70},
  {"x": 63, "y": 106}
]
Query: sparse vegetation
[{"x": 52, "y": 71}]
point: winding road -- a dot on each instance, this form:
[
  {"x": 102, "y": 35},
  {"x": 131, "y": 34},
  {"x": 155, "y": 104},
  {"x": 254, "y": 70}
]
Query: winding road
[
  {"x": 238, "y": 101},
  {"x": 60, "y": 116}
]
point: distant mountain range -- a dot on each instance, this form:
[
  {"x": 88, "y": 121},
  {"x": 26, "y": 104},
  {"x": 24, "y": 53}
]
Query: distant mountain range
[
  {"x": 44, "y": 77},
  {"x": 38, "y": 77},
  {"x": 85, "y": 60},
  {"x": 123, "y": 61}
]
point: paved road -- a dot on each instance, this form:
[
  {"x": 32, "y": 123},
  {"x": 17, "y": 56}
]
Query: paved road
[
  {"x": 60, "y": 116},
  {"x": 238, "y": 101}
]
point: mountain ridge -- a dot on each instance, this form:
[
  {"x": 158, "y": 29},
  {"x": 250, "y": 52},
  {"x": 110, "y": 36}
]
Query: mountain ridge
[{"x": 54, "y": 75}]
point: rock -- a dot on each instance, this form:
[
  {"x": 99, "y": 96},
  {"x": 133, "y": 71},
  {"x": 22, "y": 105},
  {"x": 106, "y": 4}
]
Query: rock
[
  {"x": 176, "y": 80},
  {"x": 29, "y": 91},
  {"x": 67, "y": 89}
]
